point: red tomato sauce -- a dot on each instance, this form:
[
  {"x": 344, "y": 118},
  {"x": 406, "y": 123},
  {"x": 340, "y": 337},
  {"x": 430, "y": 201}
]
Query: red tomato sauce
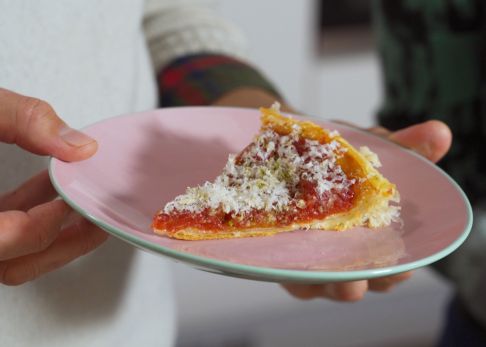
[
  {"x": 216, "y": 221},
  {"x": 306, "y": 206}
]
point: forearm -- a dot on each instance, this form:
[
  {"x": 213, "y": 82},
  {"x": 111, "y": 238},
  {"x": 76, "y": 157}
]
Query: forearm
[
  {"x": 251, "y": 97},
  {"x": 209, "y": 79}
]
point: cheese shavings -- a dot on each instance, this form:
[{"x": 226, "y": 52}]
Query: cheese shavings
[
  {"x": 267, "y": 176},
  {"x": 370, "y": 156}
]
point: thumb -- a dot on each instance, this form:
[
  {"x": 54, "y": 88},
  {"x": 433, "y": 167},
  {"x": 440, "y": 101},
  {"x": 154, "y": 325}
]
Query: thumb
[
  {"x": 431, "y": 139},
  {"x": 34, "y": 125}
]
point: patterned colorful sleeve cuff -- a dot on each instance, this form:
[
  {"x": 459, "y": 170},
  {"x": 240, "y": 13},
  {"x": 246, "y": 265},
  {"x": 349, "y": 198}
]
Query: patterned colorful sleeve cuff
[{"x": 203, "y": 78}]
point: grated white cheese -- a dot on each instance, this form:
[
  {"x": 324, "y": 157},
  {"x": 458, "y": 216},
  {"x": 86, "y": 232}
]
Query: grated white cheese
[
  {"x": 276, "y": 106},
  {"x": 370, "y": 156},
  {"x": 333, "y": 133},
  {"x": 266, "y": 175}
]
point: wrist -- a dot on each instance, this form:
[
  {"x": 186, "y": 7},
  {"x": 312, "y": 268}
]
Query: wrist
[
  {"x": 205, "y": 79},
  {"x": 251, "y": 98}
]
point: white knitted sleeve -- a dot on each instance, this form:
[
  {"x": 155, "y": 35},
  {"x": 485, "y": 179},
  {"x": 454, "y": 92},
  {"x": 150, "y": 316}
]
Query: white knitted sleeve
[{"x": 181, "y": 27}]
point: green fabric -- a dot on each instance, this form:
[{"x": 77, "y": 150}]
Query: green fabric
[
  {"x": 433, "y": 55},
  {"x": 433, "y": 62}
]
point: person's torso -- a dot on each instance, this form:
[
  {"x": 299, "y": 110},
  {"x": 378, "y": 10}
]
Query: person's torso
[{"x": 88, "y": 59}]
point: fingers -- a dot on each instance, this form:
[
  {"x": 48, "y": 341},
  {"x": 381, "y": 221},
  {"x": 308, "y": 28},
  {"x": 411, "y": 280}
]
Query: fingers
[
  {"x": 74, "y": 241},
  {"x": 33, "y": 125},
  {"x": 34, "y": 242},
  {"x": 33, "y": 231},
  {"x": 431, "y": 139},
  {"x": 35, "y": 191},
  {"x": 345, "y": 291},
  {"x": 380, "y": 131},
  {"x": 339, "y": 291},
  {"x": 385, "y": 284}
]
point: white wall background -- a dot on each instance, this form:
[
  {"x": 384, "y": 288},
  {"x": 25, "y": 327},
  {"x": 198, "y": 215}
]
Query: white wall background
[
  {"x": 219, "y": 311},
  {"x": 279, "y": 36}
]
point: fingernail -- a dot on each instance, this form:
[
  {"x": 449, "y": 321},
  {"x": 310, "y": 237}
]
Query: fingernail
[
  {"x": 424, "y": 149},
  {"x": 74, "y": 137}
]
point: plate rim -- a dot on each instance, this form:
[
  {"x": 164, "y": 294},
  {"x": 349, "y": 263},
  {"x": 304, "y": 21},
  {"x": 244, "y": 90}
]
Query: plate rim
[{"x": 268, "y": 273}]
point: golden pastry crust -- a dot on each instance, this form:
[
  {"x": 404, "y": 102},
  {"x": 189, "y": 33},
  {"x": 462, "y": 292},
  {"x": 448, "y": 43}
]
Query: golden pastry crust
[
  {"x": 373, "y": 206},
  {"x": 375, "y": 191}
]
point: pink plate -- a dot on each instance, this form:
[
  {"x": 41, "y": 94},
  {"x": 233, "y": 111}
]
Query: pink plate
[{"x": 146, "y": 159}]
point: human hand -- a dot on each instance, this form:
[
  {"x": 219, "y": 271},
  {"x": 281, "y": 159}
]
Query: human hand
[
  {"x": 39, "y": 234},
  {"x": 431, "y": 139}
]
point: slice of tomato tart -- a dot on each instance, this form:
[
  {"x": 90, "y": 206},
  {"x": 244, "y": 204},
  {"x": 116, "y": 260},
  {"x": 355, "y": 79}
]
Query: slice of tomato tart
[{"x": 294, "y": 175}]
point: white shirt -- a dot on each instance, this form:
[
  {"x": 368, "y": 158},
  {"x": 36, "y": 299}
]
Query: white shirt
[{"x": 90, "y": 60}]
